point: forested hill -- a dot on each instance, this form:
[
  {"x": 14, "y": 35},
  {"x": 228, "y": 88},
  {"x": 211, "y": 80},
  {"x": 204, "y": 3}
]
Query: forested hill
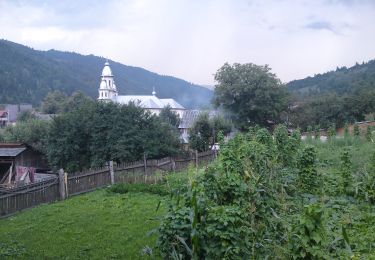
[
  {"x": 359, "y": 78},
  {"x": 27, "y": 75}
]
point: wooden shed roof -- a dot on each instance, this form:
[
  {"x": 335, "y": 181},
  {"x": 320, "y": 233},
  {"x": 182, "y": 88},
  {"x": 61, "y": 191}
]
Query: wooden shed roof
[{"x": 11, "y": 149}]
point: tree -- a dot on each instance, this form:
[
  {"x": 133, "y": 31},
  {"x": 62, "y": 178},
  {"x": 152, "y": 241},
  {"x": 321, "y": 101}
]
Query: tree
[
  {"x": 251, "y": 93},
  {"x": 219, "y": 125},
  {"x": 69, "y": 139},
  {"x": 167, "y": 115},
  {"x": 32, "y": 132},
  {"x": 200, "y": 133},
  {"x": 75, "y": 101},
  {"x": 205, "y": 131},
  {"x": 95, "y": 132},
  {"x": 54, "y": 102},
  {"x": 25, "y": 116}
]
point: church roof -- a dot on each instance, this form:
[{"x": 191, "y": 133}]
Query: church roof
[
  {"x": 149, "y": 101},
  {"x": 172, "y": 103},
  {"x": 142, "y": 101}
]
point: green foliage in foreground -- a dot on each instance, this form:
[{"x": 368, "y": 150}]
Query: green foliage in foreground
[
  {"x": 249, "y": 204},
  {"x": 97, "y": 225}
]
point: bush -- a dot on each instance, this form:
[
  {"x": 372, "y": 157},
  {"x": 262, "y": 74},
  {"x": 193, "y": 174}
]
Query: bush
[
  {"x": 309, "y": 238},
  {"x": 308, "y": 177}
]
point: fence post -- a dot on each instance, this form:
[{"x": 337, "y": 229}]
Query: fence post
[
  {"x": 66, "y": 184},
  {"x": 111, "y": 172},
  {"x": 62, "y": 184},
  {"x": 196, "y": 159},
  {"x": 173, "y": 164},
  {"x": 145, "y": 162}
]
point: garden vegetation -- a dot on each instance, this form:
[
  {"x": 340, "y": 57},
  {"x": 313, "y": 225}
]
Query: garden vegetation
[{"x": 279, "y": 198}]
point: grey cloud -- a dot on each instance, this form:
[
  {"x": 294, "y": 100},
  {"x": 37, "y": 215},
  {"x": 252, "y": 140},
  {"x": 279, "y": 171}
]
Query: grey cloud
[{"x": 321, "y": 25}]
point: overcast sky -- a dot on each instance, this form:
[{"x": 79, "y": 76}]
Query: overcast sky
[{"x": 191, "y": 39}]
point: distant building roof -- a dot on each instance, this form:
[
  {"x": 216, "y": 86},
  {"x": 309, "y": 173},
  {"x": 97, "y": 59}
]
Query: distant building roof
[
  {"x": 14, "y": 110},
  {"x": 189, "y": 117},
  {"x": 45, "y": 117},
  {"x": 11, "y": 149}
]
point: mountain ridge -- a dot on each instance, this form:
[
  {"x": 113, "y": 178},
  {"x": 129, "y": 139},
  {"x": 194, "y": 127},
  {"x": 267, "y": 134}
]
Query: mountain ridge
[
  {"x": 359, "y": 77},
  {"x": 27, "y": 75}
]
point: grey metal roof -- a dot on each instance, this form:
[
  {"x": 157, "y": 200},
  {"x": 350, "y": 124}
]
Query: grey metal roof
[
  {"x": 189, "y": 117},
  {"x": 11, "y": 152}
]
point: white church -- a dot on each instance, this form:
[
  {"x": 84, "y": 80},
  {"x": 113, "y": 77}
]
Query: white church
[{"x": 108, "y": 92}]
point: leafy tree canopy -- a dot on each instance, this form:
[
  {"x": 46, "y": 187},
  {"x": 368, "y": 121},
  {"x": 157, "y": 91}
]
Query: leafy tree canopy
[
  {"x": 54, "y": 102},
  {"x": 32, "y": 132},
  {"x": 95, "y": 132},
  {"x": 251, "y": 93}
]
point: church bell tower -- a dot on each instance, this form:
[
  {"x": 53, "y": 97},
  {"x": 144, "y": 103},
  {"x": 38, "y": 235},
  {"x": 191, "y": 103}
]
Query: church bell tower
[{"x": 107, "y": 88}]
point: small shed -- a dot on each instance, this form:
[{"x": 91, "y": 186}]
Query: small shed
[{"x": 19, "y": 159}]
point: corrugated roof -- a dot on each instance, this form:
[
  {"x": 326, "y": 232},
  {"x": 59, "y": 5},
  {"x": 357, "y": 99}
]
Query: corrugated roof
[
  {"x": 11, "y": 152},
  {"x": 189, "y": 116}
]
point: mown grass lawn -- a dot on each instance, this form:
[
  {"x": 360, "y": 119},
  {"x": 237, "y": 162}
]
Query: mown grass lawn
[{"x": 96, "y": 225}]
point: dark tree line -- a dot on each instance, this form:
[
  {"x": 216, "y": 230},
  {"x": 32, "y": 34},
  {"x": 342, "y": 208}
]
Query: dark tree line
[
  {"x": 98, "y": 132},
  {"x": 333, "y": 109},
  {"x": 92, "y": 133}
]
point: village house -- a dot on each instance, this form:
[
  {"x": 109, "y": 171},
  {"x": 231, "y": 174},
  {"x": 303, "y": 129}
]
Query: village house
[
  {"x": 10, "y": 112},
  {"x": 20, "y": 164}
]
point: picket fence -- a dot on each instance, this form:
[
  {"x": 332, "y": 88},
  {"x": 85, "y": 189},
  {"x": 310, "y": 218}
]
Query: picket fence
[{"x": 65, "y": 185}]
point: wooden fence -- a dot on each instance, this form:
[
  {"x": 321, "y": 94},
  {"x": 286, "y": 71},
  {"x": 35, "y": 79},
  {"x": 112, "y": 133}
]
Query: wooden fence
[{"x": 65, "y": 185}]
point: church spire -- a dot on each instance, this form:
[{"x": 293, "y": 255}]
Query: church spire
[{"x": 107, "y": 88}]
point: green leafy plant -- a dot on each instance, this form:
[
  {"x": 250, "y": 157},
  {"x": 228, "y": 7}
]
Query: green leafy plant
[
  {"x": 331, "y": 132},
  {"x": 346, "y": 131},
  {"x": 356, "y": 131},
  {"x": 346, "y": 170},
  {"x": 309, "y": 235},
  {"x": 369, "y": 134},
  {"x": 308, "y": 178},
  {"x": 317, "y": 132}
]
